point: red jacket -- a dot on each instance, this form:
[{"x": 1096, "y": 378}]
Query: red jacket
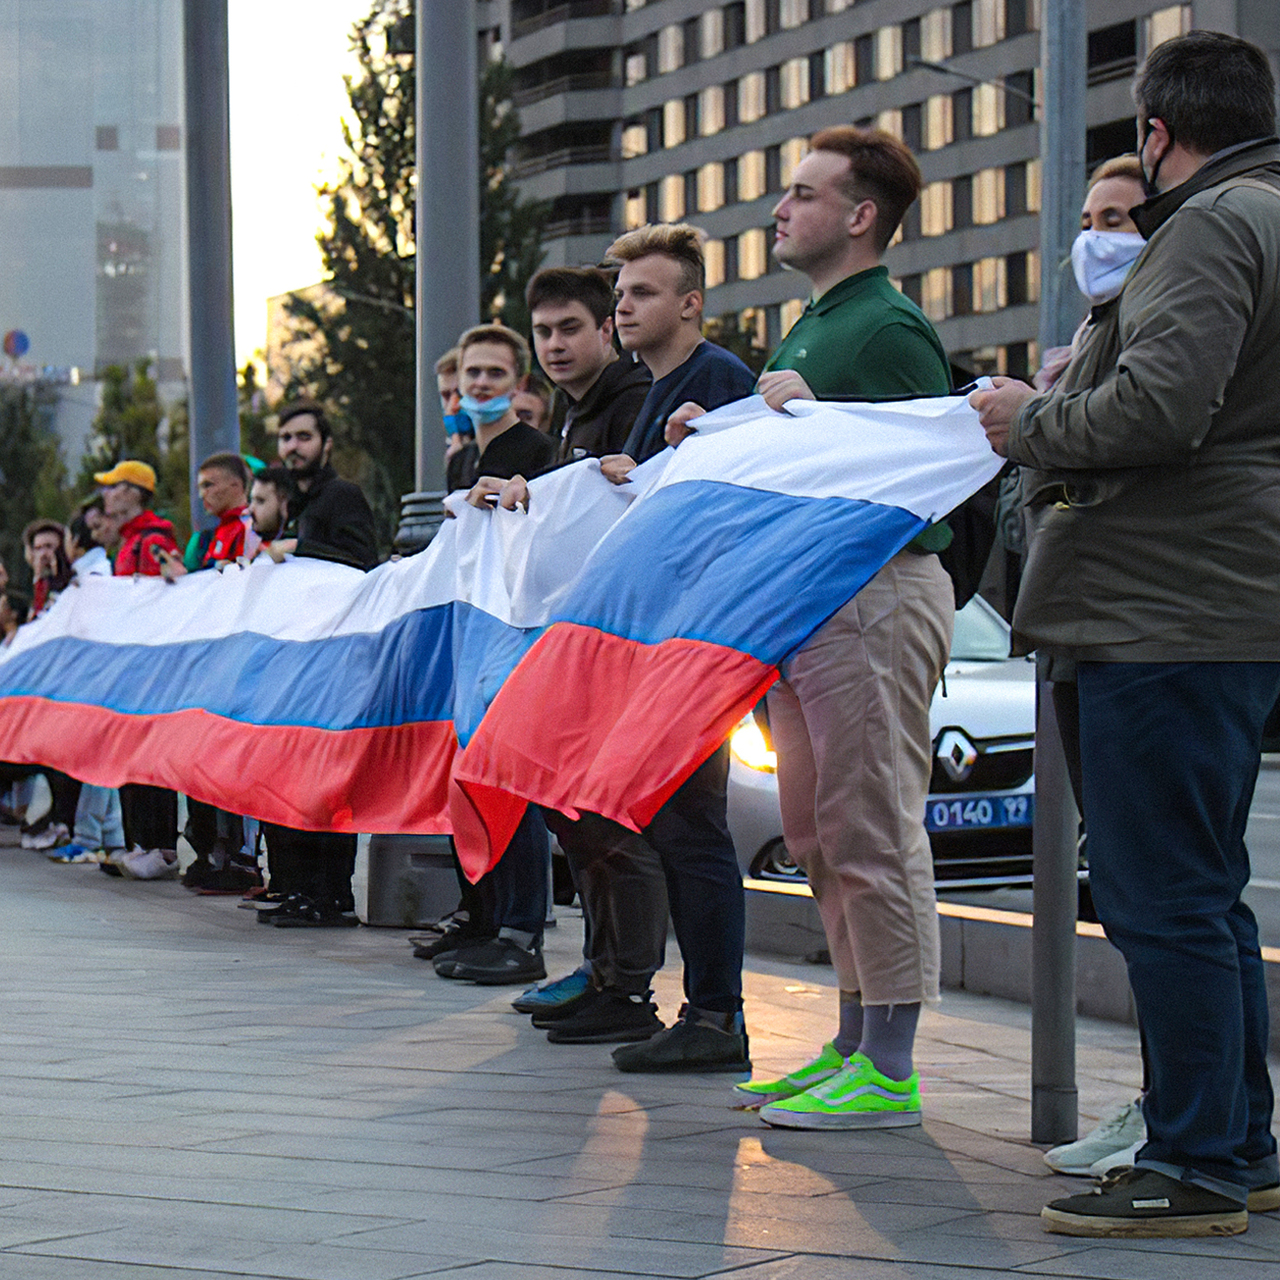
[
  {"x": 140, "y": 539},
  {"x": 227, "y": 541}
]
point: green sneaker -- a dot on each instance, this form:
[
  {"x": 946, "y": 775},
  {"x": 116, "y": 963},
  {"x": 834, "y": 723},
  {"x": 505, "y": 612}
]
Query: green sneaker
[
  {"x": 856, "y": 1097},
  {"x": 760, "y": 1093}
]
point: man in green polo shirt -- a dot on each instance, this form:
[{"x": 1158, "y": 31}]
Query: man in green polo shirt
[{"x": 850, "y": 720}]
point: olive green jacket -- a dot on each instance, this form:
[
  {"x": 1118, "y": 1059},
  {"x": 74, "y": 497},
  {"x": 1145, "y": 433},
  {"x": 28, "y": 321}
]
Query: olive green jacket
[{"x": 1154, "y": 513}]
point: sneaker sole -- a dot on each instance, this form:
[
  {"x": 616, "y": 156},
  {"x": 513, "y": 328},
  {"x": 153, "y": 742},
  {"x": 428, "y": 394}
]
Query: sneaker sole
[
  {"x": 687, "y": 1068},
  {"x": 482, "y": 978},
  {"x": 861, "y": 1120},
  {"x": 750, "y": 1101},
  {"x": 632, "y": 1035},
  {"x": 1179, "y": 1228},
  {"x": 1264, "y": 1200}
]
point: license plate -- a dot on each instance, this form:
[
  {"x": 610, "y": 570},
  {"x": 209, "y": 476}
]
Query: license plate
[{"x": 975, "y": 812}]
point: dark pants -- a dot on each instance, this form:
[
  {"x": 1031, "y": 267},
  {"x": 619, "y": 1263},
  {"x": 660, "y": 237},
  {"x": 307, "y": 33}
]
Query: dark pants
[
  {"x": 1170, "y": 756},
  {"x": 150, "y": 816},
  {"x": 64, "y": 790},
  {"x": 684, "y": 859},
  {"x": 518, "y": 883},
  {"x": 316, "y": 864},
  {"x": 215, "y": 835}
]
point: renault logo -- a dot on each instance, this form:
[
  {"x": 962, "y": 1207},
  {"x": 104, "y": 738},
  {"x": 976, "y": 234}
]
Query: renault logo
[{"x": 956, "y": 754}]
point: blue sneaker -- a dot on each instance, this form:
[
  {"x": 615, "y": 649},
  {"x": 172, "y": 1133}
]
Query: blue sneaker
[
  {"x": 75, "y": 853},
  {"x": 551, "y": 995}
]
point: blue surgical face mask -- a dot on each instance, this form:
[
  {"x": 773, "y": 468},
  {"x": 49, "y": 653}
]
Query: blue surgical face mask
[
  {"x": 1103, "y": 260},
  {"x": 458, "y": 424},
  {"x": 483, "y": 412}
]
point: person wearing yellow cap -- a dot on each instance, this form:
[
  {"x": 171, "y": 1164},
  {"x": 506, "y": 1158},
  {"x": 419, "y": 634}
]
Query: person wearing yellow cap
[
  {"x": 128, "y": 490},
  {"x": 146, "y": 540}
]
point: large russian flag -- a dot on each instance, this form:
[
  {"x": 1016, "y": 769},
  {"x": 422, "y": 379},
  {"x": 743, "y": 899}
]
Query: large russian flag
[
  {"x": 588, "y": 654},
  {"x": 744, "y": 541}
]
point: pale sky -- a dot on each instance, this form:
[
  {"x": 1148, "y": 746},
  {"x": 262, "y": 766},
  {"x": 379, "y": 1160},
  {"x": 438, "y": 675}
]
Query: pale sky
[{"x": 287, "y": 97}]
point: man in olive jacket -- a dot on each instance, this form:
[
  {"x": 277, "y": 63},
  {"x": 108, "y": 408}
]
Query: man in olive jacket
[{"x": 1155, "y": 562}]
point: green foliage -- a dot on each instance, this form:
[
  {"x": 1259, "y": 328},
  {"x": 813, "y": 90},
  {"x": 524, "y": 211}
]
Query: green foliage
[
  {"x": 510, "y": 227},
  {"x": 255, "y": 439},
  {"x": 360, "y": 333},
  {"x": 132, "y": 423},
  {"x": 32, "y": 476},
  {"x": 727, "y": 331}
]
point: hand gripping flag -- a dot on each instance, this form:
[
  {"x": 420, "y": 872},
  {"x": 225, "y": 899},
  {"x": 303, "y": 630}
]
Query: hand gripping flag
[{"x": 587, "y": 655}]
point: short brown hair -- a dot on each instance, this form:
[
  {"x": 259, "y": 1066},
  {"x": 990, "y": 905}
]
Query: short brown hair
[
  {"x": 677, "y": 240},
  {"x": 881, "y": 169},
  {"x": 501, "y": 334},
  {"x": 1127, "y": 166},
  {"x": 232, "y": 463},
  {"x": 587, "y": 285},
  {"x": 42, "y": 526},
  {"x": 313, "y": 408},
  {"x": 448, "y": 363}
]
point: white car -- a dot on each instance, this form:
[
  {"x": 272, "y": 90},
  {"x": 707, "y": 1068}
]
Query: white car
[{"x": 981, "y": 795}]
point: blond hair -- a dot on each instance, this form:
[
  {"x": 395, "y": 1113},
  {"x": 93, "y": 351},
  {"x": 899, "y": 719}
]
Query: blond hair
[
  {"x": 1126, "y": 166},
  {"x": 676, "y": 240},
  {"x": 448, "y": 363},
  {"x": 498, "y": 333}
]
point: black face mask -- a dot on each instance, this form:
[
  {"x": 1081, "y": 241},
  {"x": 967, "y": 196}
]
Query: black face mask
[{"x": 1149, "y": 184}]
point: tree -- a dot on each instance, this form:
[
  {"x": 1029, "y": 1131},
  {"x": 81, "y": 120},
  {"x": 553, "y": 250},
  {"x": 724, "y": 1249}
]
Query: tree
[
  {"x": 132, "y": 423},
  {"x": 354, "y": 343},
  {"x": 255, "y": 439},
  {"x": 32, "y": 476}
]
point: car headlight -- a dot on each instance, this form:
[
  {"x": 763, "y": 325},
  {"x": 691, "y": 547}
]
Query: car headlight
[{"x": 748, "y": 744}]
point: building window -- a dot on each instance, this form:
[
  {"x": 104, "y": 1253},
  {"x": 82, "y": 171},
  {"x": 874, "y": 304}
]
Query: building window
[
  {"x": 790, "y": 154},
  {"x": 635, "y": 139},
  {"x": 989, "y": 285},
  {"x": 911, "y": 288},
  {"x": 1164, "y": 24},
  {"x": 988, "y": 110},
  {"x": 911, "y": 36},
  {"x": 1018, "y": 108},
  {"x": 935, "y": 209},
  {"x": 839, "y": 6},
  {"x": 710, "y": 187},
  {"x": 757, "y": 21},
  {"x": 751, "y": 176},
  {"x": 1021, "y": 16},
  {"x": 988, "y": 22},
  {"x": 106, "y": 138},
  {"x": 888, "y": 52},
  {"x": 751, "y": 97},
  {"x": 731, "y": 181},
  {"x": 711, "y": 110},
  {"x": 988, "y": 196},
  {"x": 634, "y": 68},
  {"x": 653, "y": 126},
  {"x": 911, "y": 221},
  {"x": 730, "y": 259},
  {"x": 670, "y": 49},
  {"x": 1015, "y": 189},
  {"x": 1033, "y": 186},
  {"x": 712, "y": 33},
  {"x": 772, "y": 90},
  {"x": 735, "y": 24},
  {"x": 673, "y": 122},
  {"x": 753, "y": 254},
  {"x": 935, "y": 35},
  {"x": 962, "y": 114},
  {"x": 1015, "y": 274},
  {"x": 962, "y": 27},
  {"x": 713, "y": 258},
  {"x": 789, "y": 313},
  {"x": 838, "y": 68},
  {"x": 773, "y": 168},
  {"x": 962, "y": 289},
  {"x": 864, "y": 59},
  {"x": 168, "y": 137},
  {"x": 793, "y": 13},
  {"x": 671, "y": 198},
  {"x": 692, "y": 29},
  {"x": 913, "y": 126},
  {"x": 817, "y": 76},
  {"x": 633, "y": 211},
  {"x": 935, "y": 293},
  {"x": 890, "y": 122},
  {"x": 794, "y": 83},
  {"x": 962, "y": 201},
  {"x": 937, "y": 122}
]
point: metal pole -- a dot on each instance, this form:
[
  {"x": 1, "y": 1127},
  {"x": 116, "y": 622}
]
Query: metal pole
[
  {"x": 1053, "y": 1046},
  {"x": 447, "y": 234},
  {"x": 215, "y": 420}
]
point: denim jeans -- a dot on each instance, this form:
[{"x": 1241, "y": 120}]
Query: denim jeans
[
  {"x": 99, "y": 819},
  {"x": 1170, "y": 755}
]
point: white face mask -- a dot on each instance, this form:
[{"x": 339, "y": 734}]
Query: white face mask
[{"x": 1102, "y": 261}]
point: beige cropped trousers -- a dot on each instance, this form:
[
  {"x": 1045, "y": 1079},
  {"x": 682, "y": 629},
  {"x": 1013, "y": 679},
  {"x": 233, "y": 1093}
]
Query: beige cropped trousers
[{"x": 850, "y": 725}]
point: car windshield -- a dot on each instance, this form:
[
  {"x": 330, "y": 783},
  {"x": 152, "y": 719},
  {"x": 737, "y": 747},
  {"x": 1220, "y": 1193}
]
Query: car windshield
[{"x": 981, "y": 634}]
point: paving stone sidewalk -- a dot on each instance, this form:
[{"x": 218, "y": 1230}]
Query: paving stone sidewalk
[{"x": 189, "y": 1096}]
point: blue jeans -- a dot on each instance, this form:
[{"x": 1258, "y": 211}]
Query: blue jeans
[
  {"x": 1170, "y": 755},
  {"x": 99, "y": 822}
]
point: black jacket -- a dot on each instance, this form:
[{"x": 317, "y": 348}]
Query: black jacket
[
  {"x": 600, "y": 422},
  {"x": 334, "y": 522},
  {"x": 520, "y": 450}
]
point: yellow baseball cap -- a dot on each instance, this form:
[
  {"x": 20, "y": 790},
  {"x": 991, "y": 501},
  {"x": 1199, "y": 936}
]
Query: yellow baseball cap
[{"x": 134, "y": 472}]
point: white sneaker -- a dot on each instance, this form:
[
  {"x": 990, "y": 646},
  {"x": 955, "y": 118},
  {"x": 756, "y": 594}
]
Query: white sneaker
[
  {"x": 53, "y": 835},
  {"x": 1117, "y": 1159},
  {"x": 1116, "y": 1132},
  {"x": 149, "y": 864}
]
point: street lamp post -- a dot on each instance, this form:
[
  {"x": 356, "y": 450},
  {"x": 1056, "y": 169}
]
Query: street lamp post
[
  {"x": 1063, "y": 56},
  {"x": 215, "y": 416},
  {"x": 447, "y": 236}
]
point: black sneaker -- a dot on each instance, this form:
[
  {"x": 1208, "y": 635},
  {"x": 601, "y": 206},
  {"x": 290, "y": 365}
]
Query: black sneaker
[
  {"x": 458, "y": 935},
  {"x": 1145, "y": 1204},
  {"x": 313, "y": 913},
  {"x": 547, "y": 1018},
  {"x": 613, "y": 1017},
  {"x": 498, "y": 963},
  {"x": 692, "y": 1044}
]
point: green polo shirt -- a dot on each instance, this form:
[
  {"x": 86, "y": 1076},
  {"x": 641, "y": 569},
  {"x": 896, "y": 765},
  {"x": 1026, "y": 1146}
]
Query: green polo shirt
[{"x": 862, "y": 338}]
